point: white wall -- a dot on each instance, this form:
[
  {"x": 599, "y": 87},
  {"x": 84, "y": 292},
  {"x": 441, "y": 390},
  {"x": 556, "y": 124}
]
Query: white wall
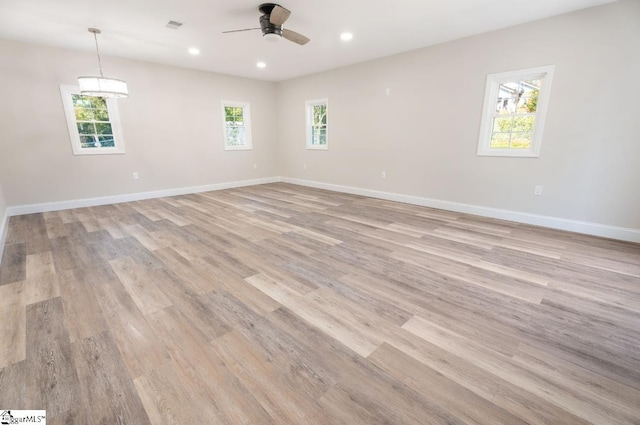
[
  {"x": 424, "y": 135},
  {"x": 171, "y": 125}
]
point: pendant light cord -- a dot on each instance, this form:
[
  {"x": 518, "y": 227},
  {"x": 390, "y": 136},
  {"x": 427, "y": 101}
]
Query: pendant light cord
[{"x": 95, "y": 36}]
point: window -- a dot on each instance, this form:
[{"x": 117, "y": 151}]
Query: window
[
  {"x": 317, "y": 129},
  {"x": 237, "y": 125},
  {"x": 93, "y": 122},
  {"x": 515, "y": 105}
]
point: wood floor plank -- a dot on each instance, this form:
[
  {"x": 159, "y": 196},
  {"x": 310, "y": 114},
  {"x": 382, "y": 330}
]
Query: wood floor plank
[
  {"x": 13, "y": 330},
  {"x": 466, "y": 405},
  {"x": 105, "y": 384},
  {"x": 510, "y": 397},
  {"x": 207, "y": 374},
  {"x": 147, "y": 296},
  {"x": 574, "y": 403},
  {"x": 598, "y": 388},
  {"x": 284, "y": 402},
  {"x": 42, "y": 288},
  {"x": 52, "y": 382},
  {"x": 14, "y": 263},
  {"x": 16, "y": 230},
  {"x": 139, "y": 345},
  {"x": 83, "y": 315},
  {"x": 202, "y": 313},
  {"x": 13, "y": 386},
  {"x": 37, "y": 239},
  {"x": 168, "y": 400},
  {"x": 39, "y": 264},
  {"x": 55, "y": 227},
  {"x": 76, "y": 416}
]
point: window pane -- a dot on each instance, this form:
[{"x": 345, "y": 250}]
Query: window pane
[
  {"x": 81, "y": 101},
  {"x": 83, "y": 114},
  {"x": 235, "y": 136},
  {"x": 104, "y": 128},
  {"x": 86, "y": 128},
  {"x": 520, "y": 140},
  {"x": 319, "y": 136},
  {"x": 523, "y": 124},
  {"x": 101, "y": 114},
  {"x": 98, "y": 102},
  {"x": 323, "y": 137},
  {"x": 508, "y": 90},
  {"x": 506, "y": 105},
  {"x": 500, "y": 140},
  {"x": 106, "y": 141},
  {"x": 87, "y": 142},
  {"x": 319, "y": 114},
  {"x": 530, "y": 104},
  {"x": 502, "y": 125}
]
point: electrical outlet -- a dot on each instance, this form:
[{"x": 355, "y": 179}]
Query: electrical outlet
[
  {"x": 384, "y": 174},
  {"x": 538, "y": 190},
  {"x": 135, "y": 176}
]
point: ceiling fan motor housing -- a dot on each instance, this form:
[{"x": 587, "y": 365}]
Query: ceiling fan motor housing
[{"x": 268, "y": 27}]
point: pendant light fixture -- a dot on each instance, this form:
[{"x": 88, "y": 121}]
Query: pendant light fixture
[{"x": 102, "y": 86}]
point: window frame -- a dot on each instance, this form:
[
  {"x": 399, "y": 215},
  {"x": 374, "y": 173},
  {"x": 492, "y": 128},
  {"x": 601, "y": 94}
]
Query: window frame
[
  {"x": 67, "y": 91},
  {"x": 309, "y": 123},
  {"x": 545, "y": 73},
  {"x": 246, "y": 116}
]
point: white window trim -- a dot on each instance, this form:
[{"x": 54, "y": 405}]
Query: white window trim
[
  {"x": 246, "y": 115},
  {"x": 114, "y": 118},
  {"x": 309, "y": 122},
  {"x": 491, "y": 98}
]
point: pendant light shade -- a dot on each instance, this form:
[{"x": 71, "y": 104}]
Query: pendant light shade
[{"x": 102, "y": 86}]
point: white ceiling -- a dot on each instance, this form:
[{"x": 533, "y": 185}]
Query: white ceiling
[{"x": 136, "y": 29}]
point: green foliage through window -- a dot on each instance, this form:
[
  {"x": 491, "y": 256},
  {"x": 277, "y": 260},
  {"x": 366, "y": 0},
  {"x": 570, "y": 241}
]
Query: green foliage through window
[
  {"x": 234, "y": 125},
  {"x": 319, "y": 125}
]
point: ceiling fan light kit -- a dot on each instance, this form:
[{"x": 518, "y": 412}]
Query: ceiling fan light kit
[
  {"x": 102, "y": 86},
  {"x": 272, "y": 37},
  {"x": 271, "y": 21}
]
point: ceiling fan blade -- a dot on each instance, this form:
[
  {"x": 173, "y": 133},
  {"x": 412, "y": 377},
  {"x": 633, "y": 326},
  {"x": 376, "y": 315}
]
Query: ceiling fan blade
[
  {"x": 246, "y": 29},
  {"x": 295, "y": 37},
  {"x": 279, "y": 15}
]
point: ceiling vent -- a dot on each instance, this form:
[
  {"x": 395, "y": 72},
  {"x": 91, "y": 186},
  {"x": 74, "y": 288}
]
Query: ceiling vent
[{"x": 174, "y": 25}]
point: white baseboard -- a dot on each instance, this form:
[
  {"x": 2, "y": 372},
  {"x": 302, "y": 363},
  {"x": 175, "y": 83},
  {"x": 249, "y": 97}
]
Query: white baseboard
[
  {"x": 603, "y": 230},
  {"x": 129, "y": 197},
  {"x": 613, "y": 232},
  {"x": 4, "y": 225}
]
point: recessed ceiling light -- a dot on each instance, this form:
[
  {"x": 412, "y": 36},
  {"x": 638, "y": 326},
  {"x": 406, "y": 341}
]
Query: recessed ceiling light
[
  {"x": 346, "y": 36},
  {"x": 194, "y": 51},
  {"x": 261, "y": 65}
]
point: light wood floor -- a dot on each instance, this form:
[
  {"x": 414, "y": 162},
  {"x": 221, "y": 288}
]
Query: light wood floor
[{"x": 279, "y": 304}]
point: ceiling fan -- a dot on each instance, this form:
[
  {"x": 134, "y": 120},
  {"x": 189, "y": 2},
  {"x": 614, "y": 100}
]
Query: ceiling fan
[{"x": 273, "y": 16}]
